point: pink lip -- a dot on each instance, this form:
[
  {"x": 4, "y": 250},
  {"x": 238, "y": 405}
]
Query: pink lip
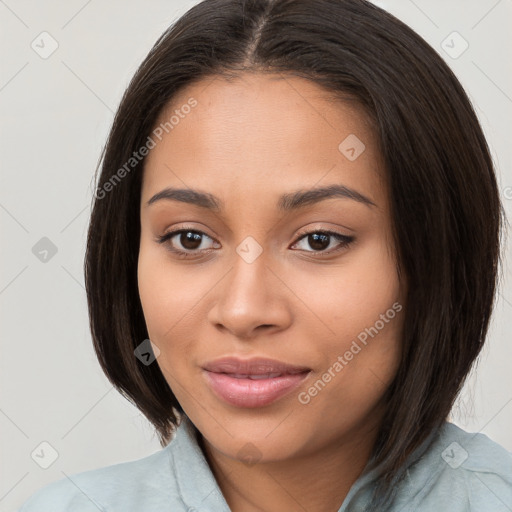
[{"x": 230, "y": 379}]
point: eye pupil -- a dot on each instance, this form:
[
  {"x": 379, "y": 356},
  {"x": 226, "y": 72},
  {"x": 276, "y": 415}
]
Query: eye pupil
[
  {"x": 318, "y": 241},
  {"x": 190, "y": 240}
]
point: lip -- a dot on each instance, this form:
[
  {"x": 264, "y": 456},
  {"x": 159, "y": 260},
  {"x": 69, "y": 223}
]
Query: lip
[{"x": 253, "y": 382}]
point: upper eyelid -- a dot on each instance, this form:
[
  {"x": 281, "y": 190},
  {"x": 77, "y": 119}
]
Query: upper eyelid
[
  {"x": 312, "y": 229},
  {"x": 173, "y": 232}
]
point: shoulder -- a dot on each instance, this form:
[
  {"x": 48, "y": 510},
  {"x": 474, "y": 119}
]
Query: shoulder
[
  {"x": 176, "y": 479},
  {"x": 146, "y": 481},
  {"x": 462, "y": 472}
]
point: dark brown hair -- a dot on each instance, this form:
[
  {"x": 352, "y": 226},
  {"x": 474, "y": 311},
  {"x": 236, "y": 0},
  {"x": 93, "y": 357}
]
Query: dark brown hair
[{"x": 445, "y": 206}]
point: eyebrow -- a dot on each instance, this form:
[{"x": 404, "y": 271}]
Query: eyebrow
[{"x": 287, "y": 202}]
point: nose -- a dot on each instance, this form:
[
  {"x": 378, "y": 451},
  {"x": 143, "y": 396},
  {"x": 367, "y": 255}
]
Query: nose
[{"x": 251, "y": 299}]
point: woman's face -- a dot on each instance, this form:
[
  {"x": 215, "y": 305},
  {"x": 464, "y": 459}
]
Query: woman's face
[{"x": 279, "y": 329}]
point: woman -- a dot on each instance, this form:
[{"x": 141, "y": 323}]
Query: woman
[{"x": 291, "y": 265}]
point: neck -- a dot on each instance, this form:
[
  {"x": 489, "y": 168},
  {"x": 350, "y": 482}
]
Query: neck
[{"x": 317, "y": 481}]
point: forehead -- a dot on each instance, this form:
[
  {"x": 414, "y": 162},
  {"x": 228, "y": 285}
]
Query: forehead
[{"x": 258, "y": 132}]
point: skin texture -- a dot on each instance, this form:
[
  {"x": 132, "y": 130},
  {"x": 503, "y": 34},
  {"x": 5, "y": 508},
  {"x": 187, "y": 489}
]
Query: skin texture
[{"x": 247, "y": 141}]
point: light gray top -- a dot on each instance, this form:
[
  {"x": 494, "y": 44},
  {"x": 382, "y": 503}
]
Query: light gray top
[{"x": 458, "y": 472}]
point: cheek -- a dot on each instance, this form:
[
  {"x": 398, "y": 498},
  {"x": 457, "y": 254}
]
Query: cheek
[
  {"x": 172, "y": 296},
  {"x": 363, "y": 309},
  {"x": 167, "y": 303},
  {"x": 358, "y": 370},
  {"x": 166, "y": 296},
  {"x": 351, "y": 295}
]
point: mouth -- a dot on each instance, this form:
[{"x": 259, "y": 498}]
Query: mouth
[{"x": 254, "y": 382}]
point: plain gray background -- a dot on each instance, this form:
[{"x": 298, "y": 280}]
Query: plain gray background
[{"x": 56, "y": 113}]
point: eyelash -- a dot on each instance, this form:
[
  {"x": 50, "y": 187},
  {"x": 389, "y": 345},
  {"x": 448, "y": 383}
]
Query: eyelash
[{"x": 344, "y": 241}]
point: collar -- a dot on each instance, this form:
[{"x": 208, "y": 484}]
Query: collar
[
  {"x": 196, "y": 483},
  {"x": 199, "y": 490}
]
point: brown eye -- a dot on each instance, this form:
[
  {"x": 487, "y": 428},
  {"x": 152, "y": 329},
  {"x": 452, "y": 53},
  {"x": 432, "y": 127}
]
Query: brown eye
[
  {"x": 323, "y": 241},
  {"x": 190, "y": 240},
  {"x": 186, "y": 241},
  {"x": 318, "y": 242}
]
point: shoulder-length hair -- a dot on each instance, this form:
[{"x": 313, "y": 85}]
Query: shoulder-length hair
[{"x": 445, "y": 207}]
